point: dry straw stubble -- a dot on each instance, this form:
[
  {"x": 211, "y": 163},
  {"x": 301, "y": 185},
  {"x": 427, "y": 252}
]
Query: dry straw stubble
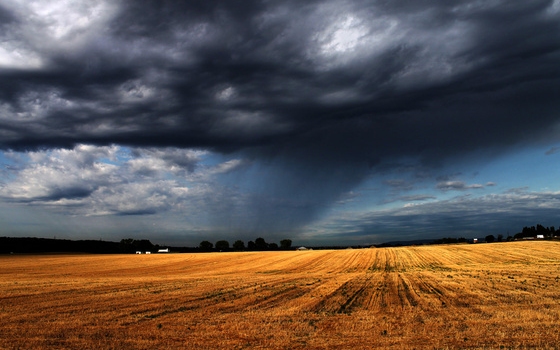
[{"x": 449, "y": 296}]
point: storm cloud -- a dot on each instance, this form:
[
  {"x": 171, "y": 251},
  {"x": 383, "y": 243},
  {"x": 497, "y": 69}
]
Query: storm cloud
[
  {"x": 316, "y": 98},
  {"x": 463, "y": 216}
]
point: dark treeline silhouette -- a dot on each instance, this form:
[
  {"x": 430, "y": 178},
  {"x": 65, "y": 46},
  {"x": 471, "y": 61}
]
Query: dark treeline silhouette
[
  {"x": 450, "y": 240},
  {"x": 129, "y": 245},
  {"x": 33, "y": 245},
  {"x": 51, "y": 245},
  {"x": 532, "y": 232},
  {"x": 539, "y": 230},
  {"x": 258, "y": 245}
]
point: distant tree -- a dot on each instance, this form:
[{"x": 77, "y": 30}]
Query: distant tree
[
  {"x": 130, "y": 245},
  {"x": 251, "y": 245},
  {"x": 126, "y": 245},
  {"x": 450, "y": 240},
  {"x": 206, "y": 246},
  {"x": 143, "y": 245},
  {"x": 127, "y": 241},
  {"x": 545, "y": 231},
  {"x": 490, "y": 238},
  {"x": 272, "y": 246},
  {"x": 239, "y": 245},
  {"x": 500, "y": 238},
  {"x": 261, "y": 244},
  {"x": 534, "y": 231},
  {"x": 222, "y": 245},
  {"x": 286, "y": 243}
]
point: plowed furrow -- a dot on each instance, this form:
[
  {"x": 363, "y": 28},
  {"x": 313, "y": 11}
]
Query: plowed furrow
[
  {"x": 349, "y": 296},
  {"x": 407, "y": 293}
]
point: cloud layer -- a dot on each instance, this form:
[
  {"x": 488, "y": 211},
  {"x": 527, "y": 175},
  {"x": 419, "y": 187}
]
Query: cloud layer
[
  {"x": 310, "y": 99},
  {"x": 358, "y": 79},
  {"x": 463, "y": 216}
]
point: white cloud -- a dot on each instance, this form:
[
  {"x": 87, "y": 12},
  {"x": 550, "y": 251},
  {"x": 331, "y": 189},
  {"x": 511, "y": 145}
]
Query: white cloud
[
  {"x": 51, "y": 26},
  {"x": 110, "y": 180},
  {"x": 554, "y": 9},
  {"x": 348, "y": 37},
  {"x": 57, "y": 174},
  {"x": 134, "y": 198},
  {"x": 16, "y": 57},
  {"x": 147, "y": 166},
  {"x": 457, "y": 186},
  {"x": 226, "y": 94},
  {"x": 172, "y": 160},
  {"x": 345, "y": 35},
  {"x": 69, "y": 22},
  {"x": 228, "y": 166}
]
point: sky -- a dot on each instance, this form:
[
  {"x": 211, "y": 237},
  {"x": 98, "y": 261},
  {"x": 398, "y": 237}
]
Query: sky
[{"x": 325, "y": 122}]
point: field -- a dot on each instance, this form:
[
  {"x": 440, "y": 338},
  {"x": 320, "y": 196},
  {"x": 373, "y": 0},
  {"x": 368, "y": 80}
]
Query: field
[{"x": 503, "y": 295}]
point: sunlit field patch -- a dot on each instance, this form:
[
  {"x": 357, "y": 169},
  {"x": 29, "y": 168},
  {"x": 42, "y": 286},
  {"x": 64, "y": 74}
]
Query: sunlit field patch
[{"x": 451, "y": 296}]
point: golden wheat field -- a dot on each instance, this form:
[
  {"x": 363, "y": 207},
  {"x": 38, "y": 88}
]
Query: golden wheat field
[{"x": 503, "y": 295}]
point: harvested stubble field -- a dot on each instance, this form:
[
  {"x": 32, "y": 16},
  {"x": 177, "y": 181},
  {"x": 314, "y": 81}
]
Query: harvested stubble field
[{"x": 455, "y": 296}]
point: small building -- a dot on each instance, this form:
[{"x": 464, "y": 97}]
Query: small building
[
  {"x": 148, "y": 252},
  {"x": 138, "y": 252},
  {"x": 540, "y": 236},
  {"x": 166, "y": 250},
  {"x": 302, "y": 248},
  {"x": 475, "y": 240}
]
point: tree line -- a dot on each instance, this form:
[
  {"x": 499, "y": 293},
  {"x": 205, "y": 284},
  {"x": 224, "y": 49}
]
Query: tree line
[
  {"x": 539, "y": 230},
  {"x": 126, "y": 246},
  {"x": 44, "y": 245},
  {"x": 258, "y": 245},
  {"x": 527, "y": 232}
]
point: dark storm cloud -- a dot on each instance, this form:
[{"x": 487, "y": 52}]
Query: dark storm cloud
[
  {"x": 56, "y": 194},
  {"x": 462, "y": 216},
  {"x": 6, "y": 17},
  {"x": 448, "y": 78},
  {"x": 70, "y": 193},
  {"x": 322, "y": 93}
]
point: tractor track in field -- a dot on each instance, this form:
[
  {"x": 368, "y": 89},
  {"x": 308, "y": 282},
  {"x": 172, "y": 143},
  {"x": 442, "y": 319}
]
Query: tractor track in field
[
  {"x": 373, "y": 292},
  {"x": 348, "y": 296},
  {"x": 312, "y": 299}
]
